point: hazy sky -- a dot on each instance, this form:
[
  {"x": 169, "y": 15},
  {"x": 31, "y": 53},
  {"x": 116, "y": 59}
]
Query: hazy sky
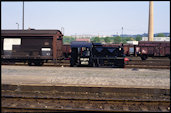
[{"x": 103, "y": 18}]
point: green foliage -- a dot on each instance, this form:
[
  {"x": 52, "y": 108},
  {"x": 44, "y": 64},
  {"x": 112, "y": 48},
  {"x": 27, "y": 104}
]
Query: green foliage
[
  {"x": 96, "y": 40},
  {"x": 107, "y": 39},
  {"x": 124, "y": 41},
  {"x": 117, "y": 40},
  {"x": 160, "y": 35},
  {"x": 132, "y": 39},
  {"x": 138, "y": 38},
  {"x": 68, "y": 39}
]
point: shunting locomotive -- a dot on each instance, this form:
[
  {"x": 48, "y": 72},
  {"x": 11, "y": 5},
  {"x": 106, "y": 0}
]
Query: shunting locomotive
[{"x": 95, "y": 55}]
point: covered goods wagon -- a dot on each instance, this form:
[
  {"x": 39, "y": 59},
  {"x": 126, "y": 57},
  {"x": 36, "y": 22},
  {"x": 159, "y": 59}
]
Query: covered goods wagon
[{"x": 31, "y": 46}]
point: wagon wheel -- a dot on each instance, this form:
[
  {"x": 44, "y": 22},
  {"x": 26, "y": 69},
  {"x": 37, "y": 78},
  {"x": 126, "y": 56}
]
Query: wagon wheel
[
  {"x": 30, "y": 63},
  {"x": 40, "y": 63}
]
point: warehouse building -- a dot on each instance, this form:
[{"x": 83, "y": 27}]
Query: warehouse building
[{"x": 157, "y": 39}]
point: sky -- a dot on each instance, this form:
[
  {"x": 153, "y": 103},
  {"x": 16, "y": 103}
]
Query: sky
[{"x": 87, "y": 18}]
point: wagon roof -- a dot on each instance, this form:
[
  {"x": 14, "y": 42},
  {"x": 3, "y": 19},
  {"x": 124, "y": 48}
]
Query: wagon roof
[{"x": 30, "y": 32}]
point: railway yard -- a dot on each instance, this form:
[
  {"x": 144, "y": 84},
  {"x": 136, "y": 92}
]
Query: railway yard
[
  {"x": 58, "y": 87},
  {"x": 41, "y": 74},
  {"x": 43, "y": 70}
]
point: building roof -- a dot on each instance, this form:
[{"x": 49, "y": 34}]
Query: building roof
[
  {"x": 157, "y": 39},
  {"x": 83, "y": 39},
  {"x": 29, "y": 32}
]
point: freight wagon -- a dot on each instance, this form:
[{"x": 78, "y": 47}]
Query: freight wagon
[
  {"x": 147, "y": 49},
  {"x": 66, "y": 49},
  {"x": 31, "y": 46},
  {"x": 96, "y": 55}
]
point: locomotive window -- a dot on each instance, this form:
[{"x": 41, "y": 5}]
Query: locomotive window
[
  {"x": 85, "y": 51},
  {"x": 9, "y": 42}
]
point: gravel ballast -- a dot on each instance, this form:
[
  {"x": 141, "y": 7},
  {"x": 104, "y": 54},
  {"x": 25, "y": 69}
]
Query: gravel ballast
[{"x": 85, "y": 76}]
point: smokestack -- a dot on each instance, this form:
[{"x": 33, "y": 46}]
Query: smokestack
[{"x": 150, "y": 24}]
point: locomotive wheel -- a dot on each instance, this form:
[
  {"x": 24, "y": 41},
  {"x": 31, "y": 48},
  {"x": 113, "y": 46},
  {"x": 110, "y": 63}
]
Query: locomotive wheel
[
  {"x": 94, "y": 65},
  {"x": 121, "y": 66},
  {"x": 71, "y": 63}
]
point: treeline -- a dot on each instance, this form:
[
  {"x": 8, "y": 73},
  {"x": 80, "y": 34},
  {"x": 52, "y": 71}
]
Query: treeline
[
  {"x": 116, "y": 40},
  {"x": 68, "y": 39}
]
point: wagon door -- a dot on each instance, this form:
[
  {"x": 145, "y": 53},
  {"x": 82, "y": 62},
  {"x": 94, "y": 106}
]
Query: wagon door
[
  {"x": 150, "y": 51},
  {"x": 167, "y": 49},
  {"x": 59, "y": 48},
  {"x": 126, "y": 50},
  {"x": 162, "y": 52},
  {"x": 156, "y": 51},
  {"x": 137, "y": 51},
  {"x": 144, "y": 50}
]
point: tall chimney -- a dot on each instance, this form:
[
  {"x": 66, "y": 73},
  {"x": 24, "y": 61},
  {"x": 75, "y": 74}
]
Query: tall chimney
[{"x": 150, "y": 25}]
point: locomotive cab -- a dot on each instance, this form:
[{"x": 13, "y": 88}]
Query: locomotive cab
[{"x": 80, "y": 53}]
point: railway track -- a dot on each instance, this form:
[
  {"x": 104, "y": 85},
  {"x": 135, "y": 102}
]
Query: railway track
[
  {"x": 147, "y": 64},
  {"x": 150, "y": 62},
  {"x": 67, "y": 104},
  {"x": 103, "y": 99}
]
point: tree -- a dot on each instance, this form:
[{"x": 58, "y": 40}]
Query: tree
[
  {"x": 160, "y": 35},
  {"x": 138, "y": 38},
  {"x": 117, "y": 40},
  {"x": 124, "y": 41},
  {"x": 96, "y": 40},
  {"x": 107, "y": 39},
  {"x": 68, "y": 39}
]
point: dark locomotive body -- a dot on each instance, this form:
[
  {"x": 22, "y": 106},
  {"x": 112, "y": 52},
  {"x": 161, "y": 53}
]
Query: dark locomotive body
[
  {"x": 31, "y": 46},
  {"x": 96, "y": 55}
]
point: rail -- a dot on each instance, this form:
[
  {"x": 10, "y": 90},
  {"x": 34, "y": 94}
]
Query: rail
[
  {"x": 68, "y": 104},
  {"x": 77, "y": 98}
]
